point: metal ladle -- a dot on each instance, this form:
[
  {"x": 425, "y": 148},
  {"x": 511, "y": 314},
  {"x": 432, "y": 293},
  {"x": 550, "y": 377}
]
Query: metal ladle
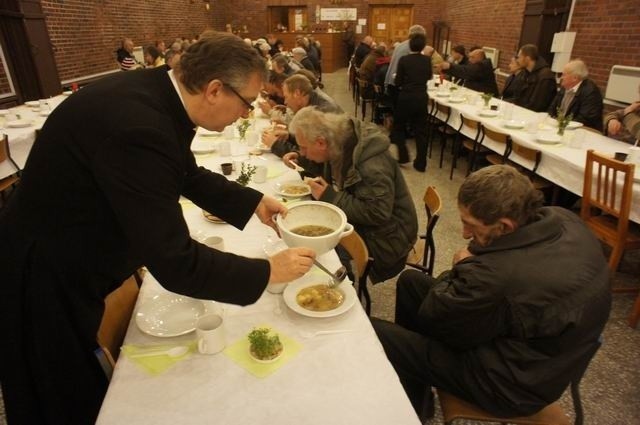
[{"x": 337, "y": 277}]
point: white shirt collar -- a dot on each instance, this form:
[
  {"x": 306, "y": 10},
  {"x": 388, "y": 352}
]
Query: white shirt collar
[
  {"x": 575, "y": 88},
  {"x": 174, "y": 81}
]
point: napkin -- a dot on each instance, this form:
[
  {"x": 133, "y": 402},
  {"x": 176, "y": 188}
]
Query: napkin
[
  {"x": 239, "y": 353},
  {"x": 155, "y": 365}
]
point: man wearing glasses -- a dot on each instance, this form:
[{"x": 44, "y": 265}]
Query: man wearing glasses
[{"x": 99, "y": 199}]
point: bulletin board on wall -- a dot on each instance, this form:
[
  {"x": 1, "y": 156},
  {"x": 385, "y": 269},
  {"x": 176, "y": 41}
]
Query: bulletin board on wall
[{"x": 338, "y": 14}]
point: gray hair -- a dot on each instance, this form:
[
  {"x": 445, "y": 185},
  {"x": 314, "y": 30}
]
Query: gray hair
[
  {"x": 577, "y": 68},
  {"x": 311, "y": 124},
  {"x": 417, "y": 29},
  {"x": 219, "y": 56}
]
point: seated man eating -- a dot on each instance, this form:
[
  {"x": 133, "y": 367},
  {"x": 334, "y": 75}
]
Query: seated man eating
[
  {"x": 361, "y": 178},
  {"x": 518, "y": 316}
]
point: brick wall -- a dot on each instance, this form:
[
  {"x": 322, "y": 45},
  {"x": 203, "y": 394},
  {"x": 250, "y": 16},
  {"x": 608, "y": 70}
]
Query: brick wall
[{"x": 85, "y": 34}]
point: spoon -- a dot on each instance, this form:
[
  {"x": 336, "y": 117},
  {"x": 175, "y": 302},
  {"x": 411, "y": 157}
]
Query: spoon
[
  {"x": 296, "y": 167},
  {"x": 336, "y": 277},
  {"x": 310, "y": 334},
  {"x": 178, "y": 351}
]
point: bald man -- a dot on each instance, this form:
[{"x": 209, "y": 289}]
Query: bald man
[
  {"x": 363, "y": 49},
  {"x": 477, "y": 74}
]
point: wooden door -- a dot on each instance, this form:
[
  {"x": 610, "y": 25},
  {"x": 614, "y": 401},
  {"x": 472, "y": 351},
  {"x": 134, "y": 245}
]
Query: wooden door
[
  {"x": 542, "y": 19},
  {"x": 297, "y": 19},
  {"x": 390, "y": 23}
]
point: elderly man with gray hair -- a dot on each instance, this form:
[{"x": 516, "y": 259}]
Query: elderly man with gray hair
[
  {"x": 361, "y": 178},
  {"x": 578, "y": 96}
]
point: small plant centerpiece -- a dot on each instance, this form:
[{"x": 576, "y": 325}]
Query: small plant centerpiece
[
  {"x": 563, "y": 121},
  {"x": 264, "y": 346},
  {"x": 453, "y": 88},
  {"x": 487, "y": 98},
  {"x": 246, "y": 172},
  {"x": 242, "y": 127}
]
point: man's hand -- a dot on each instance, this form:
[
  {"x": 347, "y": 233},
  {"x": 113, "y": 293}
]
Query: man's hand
[
  {"x": 267, "y": 208},
  {"x": 265, "y": 107},
  {"x": 632, "y": 108},
  {"x": 290, "y": 158},
  {"x": 461, "y": 255},
  {"x": 318, "y": 185},
  {"x": 290, "y": 264},
  {"x": 613, "y": 127},
  {"x": 443, "y": 66}
]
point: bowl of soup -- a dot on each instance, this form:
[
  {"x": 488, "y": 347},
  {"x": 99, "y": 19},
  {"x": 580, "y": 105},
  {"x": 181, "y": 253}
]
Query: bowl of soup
[{"x": 313, "y": 224}]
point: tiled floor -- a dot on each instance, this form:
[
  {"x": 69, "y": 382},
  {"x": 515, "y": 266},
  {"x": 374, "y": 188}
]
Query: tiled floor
[{"x": 610, "y": 386}]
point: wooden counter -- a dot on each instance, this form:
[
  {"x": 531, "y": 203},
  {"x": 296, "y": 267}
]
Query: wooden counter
[{"x": 334, "y": 53}]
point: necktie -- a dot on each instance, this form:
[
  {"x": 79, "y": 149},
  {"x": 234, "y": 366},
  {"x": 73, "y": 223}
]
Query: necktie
[{"x": 566, "y": 100}]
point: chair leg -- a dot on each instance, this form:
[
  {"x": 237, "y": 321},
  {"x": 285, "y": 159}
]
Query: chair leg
[
  {"x": 363, "y": 291},
  {"x": 577, "y": 402},
  {"x": 616, "y": 256},
  {"x": 634, "y": 317}
]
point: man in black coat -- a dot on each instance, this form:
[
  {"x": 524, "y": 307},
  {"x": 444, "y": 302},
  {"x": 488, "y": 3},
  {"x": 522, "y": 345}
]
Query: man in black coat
[
  {"x": 508, "y": 328},
  {"x": 539, "y": 87},
  {"x": 363, "y": 49},
  {"x": 578, "y": 96},
  {"x": 99, "y": 198},
  {"x": 476, "y": 75}
]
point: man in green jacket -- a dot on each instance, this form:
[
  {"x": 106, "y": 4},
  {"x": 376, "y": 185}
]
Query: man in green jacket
[{"x": 363, "y": 180}]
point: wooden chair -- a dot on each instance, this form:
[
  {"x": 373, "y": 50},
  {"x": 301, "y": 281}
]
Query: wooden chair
[
  {"x": 11, "y": 180},
  {"x": 380, "y": 109},
  {"x": 533, "y": 156},
  {"x": 454, "y": 408},
  {"x": 366, "y": 95},
  {"x": 608, "y": 190},
  {"x": 118, "y": 309},
  {"x": 473, "y": 146},
  {"x": 497, "y": 137},
  {"x": 442, "y": 126},
  {"x": 432, "y": 205},
  {"x": 357, "y": 249},
  {"x": 634, "y": 317}
]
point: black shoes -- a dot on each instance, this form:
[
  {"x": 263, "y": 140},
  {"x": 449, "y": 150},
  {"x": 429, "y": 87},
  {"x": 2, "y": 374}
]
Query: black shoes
[{"x": 419, "y": 167}]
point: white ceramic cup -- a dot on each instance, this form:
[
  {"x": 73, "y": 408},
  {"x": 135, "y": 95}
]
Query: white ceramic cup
[
  {"x": 634, "y": 155},
  {"x": 276, "y": 288},
  {"x": 210, "y": 334},
  {"x": 225, "y": 148},
  {"x": 215, "y": 242},
  {"x": 237, "y": 165},
  {"x": 229, "y": 132},
  {"x": 261, "y": 174}
]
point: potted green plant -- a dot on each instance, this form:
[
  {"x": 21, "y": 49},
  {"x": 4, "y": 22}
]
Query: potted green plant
[
  {"x": 264, "y": 347},
  {"x": 487, "y": 98},
  {"x": 242, "y": 127},
  {"x": 563, "y": 121},
  {"x": 246, "y": 172}
]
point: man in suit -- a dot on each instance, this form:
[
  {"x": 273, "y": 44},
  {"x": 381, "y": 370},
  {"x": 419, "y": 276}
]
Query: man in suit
[
  {"x": 477, "y": 74},
  {"x": 99, "y": 199},
  {"x": 578, "y": 96}
]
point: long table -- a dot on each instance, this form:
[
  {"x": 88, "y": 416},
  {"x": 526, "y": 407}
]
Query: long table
[
  {"x": 563, "y": 164},
  {"x": 21, "y": 139},
  {"x": 342, "y": 378}
]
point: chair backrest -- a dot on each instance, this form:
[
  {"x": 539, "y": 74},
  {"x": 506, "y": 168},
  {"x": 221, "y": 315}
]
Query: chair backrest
[
  {"x": 359, "y": 253},
  {"x": 432, "y": 206},
  {"x": 5, "y": 153},
  {"x": 498, "y": 137},
  {"x": 474, "y": 125},
  {"x": 118, "y": 308},
  {"x": 530, "y": 154},
  {"x": 445, "y": 110},
  {"x": 608, "y": 188}
]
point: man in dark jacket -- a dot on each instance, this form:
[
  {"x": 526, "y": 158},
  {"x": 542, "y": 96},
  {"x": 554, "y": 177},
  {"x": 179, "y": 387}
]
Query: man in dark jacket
[
  {"x": 578, "y": 96},
  {"x": 476, "y": 75},
  {"x": 363, "y": 49},
  {"x": 519, "y": 315},
  {"x": 363, "y": 179},
  {"x": 99, "y": 199},
  {"x": 539, "y": 86}
]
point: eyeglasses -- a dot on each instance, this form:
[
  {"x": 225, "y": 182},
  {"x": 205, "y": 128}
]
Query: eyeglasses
[{"x": 249, "y": 106}]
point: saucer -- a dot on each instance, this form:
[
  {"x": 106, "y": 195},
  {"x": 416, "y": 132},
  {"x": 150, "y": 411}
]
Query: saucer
[
  {"x": 18, "y": 124},
  {"x": 488, "y": 113},
  {"x": 549, "y": 138},
  {"x": 168, "y": 315},
  {"x": 514, "y": 124}
]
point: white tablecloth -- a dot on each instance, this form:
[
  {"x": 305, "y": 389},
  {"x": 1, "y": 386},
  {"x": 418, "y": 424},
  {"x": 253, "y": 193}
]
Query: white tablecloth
[
  {"x": 560, "y": 164},
  {"x": 340, "y": 378},
  {"x": 21, "y": 139}
]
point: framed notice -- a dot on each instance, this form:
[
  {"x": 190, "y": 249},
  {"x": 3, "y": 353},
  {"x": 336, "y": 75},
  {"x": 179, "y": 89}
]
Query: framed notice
[{"x": 338, "y": 14}]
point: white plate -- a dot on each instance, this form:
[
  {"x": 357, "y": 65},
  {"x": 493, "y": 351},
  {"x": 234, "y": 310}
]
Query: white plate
[
  {"x": 67, "y": 93},
  {"x": 514, "y": 124},
  {"x": 168, "y": 315},
  {"x": 4, "y": 112},
  {"x": 443, "y": 94},
  {"x": 488, "y": 113},
  {"x": 281, "y": 186},
  {"x": 202, "y": 147},
  {"x": 206, "y": 133},
  {"x": 292, "y": 290},
  {"x": 32, "y": 103},
  {"x": 44, "y": 113},
  {"x": 18, "y": 123},
  {"x": 457, "y": 99},
  {"x": 571, "y": 126},
  {"x": 549, "y": 138},
  {"x": 263, "y": 148}
]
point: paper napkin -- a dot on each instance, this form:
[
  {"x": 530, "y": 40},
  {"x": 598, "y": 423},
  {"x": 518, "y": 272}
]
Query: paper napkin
[
  {"x": 155, "y": 365},
  {"x": 239, "y": 353}
]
